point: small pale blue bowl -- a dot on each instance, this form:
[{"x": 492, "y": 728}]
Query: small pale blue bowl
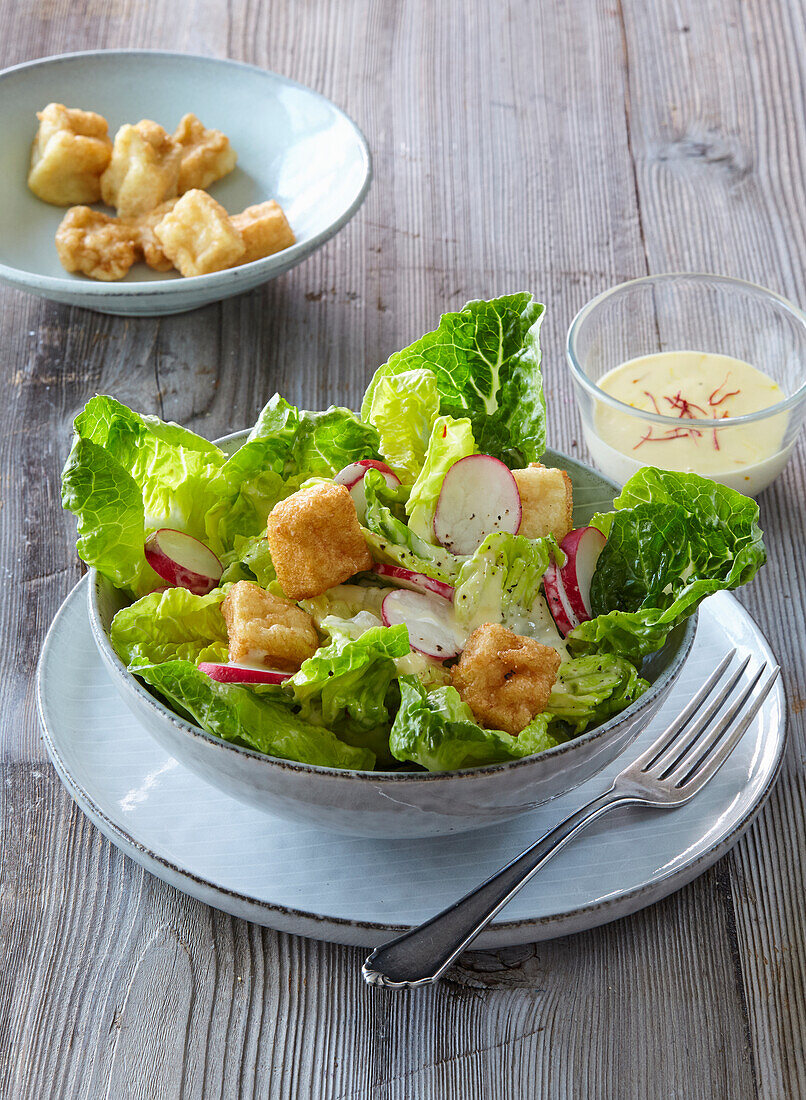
[{"x": 293, "y": 145}]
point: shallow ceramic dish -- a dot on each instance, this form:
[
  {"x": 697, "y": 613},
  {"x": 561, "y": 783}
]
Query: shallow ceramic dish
[
  {"x": 293, "y": 145},
  {"x": 397, "y": 804}
]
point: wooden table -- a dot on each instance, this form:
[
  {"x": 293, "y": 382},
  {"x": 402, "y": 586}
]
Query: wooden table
[{"x": 558, "y": 147}]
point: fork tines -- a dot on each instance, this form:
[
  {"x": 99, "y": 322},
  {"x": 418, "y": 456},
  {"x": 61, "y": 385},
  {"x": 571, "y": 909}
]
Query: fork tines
[{"x": 698, "y": 742}]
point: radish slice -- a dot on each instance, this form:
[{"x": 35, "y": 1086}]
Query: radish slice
[
  {"x": 243, "y": 674},
  {"x": 432, "y": 628},
  {"x": 582, "y": 548},
  {"x": 479, "y": 495},
  {"x": 353, "y": 477},
  {"x": 414, "y": 582},
  {"x": 557, "y": 599},
  {"x": 183, "y": 561}
]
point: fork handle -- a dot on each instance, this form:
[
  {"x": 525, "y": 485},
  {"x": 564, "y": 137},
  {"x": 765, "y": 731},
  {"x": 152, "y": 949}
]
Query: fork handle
[{"x": 422, "y": 955}]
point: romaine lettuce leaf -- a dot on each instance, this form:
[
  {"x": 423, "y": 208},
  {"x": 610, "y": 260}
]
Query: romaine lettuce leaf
[
  {"x": 391, "y": 540},
  {"x": 588, "y": 690},
  {"x": 673, "y": 539},
  {"x": 259, "y": 721},
  {"x": 450, "y": 440},
  {"x": 486, "y": 359},
  {"x": 111, "y": 518},
  {"x": 436, "y": 730},
  {"x": 500, "y": 583},
  {"x": 171, "y": 626},
  {"x": 349, "y": 678},
  {"x": 403, "y": 408}
]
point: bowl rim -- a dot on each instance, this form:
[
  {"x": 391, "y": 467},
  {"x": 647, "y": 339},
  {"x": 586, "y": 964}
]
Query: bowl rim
[
  {"x": 581, "y": 378},
  {"x": 166, "y": 288},
  {"x": 134, "y": 688}
]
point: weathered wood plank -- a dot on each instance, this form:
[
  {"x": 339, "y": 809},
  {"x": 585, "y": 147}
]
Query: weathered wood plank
[
  {"x": 560, "y": 151},
  {"x": 717, "y": 132}
]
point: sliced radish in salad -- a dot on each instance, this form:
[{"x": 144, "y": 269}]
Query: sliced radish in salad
[
  {"x": 582, "y": 548},
  {"x": 353, "y": 477},
  {"x": 479, "y": 495},
  {"x": 432, "y": 629},
  {"x": 557, "y": 600},
  {"x": 568, "y": 588},
  {"x": 414, "y": 582},
  {"x": 242, "y": 674},
  {"x": 183, "y": 561}
]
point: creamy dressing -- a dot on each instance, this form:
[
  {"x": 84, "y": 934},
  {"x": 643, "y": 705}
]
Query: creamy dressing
[{"x": 699, "y": 389}]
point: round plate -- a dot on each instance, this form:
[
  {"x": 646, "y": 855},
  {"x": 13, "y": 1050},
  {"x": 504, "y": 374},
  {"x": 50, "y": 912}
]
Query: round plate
[
  {"x": 293, "y": 145},
  {"x": 352, "y": 890}
]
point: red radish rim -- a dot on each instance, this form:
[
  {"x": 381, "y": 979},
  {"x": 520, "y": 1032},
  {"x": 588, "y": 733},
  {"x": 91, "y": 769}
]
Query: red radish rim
[{"x": 415, "y": 582}]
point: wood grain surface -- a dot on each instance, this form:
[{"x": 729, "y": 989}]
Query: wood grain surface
[{"x": 560, "y": 148}]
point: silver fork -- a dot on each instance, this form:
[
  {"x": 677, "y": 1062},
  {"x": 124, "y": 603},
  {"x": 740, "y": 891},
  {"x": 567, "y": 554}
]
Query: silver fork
[{"x": 671, "y": 771}]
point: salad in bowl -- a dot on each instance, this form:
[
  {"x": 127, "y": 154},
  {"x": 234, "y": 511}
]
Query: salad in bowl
[{"x": 400, "y": 589}]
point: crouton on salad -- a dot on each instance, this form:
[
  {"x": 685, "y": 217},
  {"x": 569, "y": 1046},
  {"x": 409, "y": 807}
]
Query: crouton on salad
[
  {"x": 315, "y": 540},
  {"x": 504, "y": 678},
  {"x": 266, "y": 628},
  {"x": 547, "y": 504}
]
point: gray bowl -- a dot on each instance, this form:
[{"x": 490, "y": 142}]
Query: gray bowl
[{"x": 397, "y": 804}]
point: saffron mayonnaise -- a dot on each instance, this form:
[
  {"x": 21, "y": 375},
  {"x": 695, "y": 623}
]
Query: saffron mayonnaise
[{"x": 697, "y": 389}]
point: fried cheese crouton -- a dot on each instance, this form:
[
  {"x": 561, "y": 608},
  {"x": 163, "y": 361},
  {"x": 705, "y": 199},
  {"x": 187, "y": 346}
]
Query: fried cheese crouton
[
  {"x": 142, "y": 227},
  {"x": 546, "y": 501},
  {"x": 206, "y": 154},
  {"x": 70, "y": 151},
  {"x": 143, "y": 171},
  {"x": 504, "y": 678},
  {"x": 264, "y": 229},
  {"x": 95, "y": 244},
  {"x": 267, "y": 628},
  {"x": 315, "y": 540},
  {"x": 197, "y": 236}
]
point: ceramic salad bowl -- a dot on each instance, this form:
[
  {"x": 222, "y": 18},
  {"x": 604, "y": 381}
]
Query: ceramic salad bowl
[{"x": 397, "y": 803}]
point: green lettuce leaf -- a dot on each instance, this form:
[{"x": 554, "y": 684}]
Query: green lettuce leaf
[
  {"x": 486, "y": 359},
  {"x": 450, "y": 440},
  {"x": 118, "y": 455},
  {"x": 501, "y": 583},
  {"x": 436, "y": 730},
  {"x": 259, "y": 721},
  {"x": 349, "y": 677},
  {"x": 171, "y": 626},
  {"x": 403, "y": 408},
  {"x": 391, "y": 540},
  {"x": 111, "y": 518},
  {"x": 588, "y": 690},
  {"x": 673, "y": 539}
]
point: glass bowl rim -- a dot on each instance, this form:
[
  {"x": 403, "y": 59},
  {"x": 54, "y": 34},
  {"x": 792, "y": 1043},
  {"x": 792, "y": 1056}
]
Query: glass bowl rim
[{"x": 598, "y": 394}]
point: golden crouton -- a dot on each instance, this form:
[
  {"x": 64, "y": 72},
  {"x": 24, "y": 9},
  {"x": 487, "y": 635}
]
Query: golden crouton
[
  {"x": 267, "y": 628},
  {"x": 264, "y": 230},
  {"x": 546, "y": 501},
  {"x": 70, "y": 151},
  {"x": 142, "y": 227},
  {"x": 315, "y": 540},
  {"x": 504, "y": 678},
  {"x": 197, "y": 237},
  {"x": 206, "y": 154},
  {"x": 95, "y": 244},
  {"x": 143, "y": 171}
]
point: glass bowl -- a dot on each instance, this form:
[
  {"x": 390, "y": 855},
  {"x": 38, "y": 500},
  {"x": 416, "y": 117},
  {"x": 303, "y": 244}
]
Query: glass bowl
[{"x": 697, "y": 313}]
